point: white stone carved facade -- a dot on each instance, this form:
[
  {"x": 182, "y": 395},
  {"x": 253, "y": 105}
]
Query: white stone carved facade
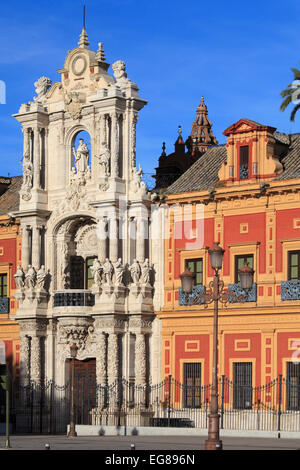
[{"x": 87, "y": 274}]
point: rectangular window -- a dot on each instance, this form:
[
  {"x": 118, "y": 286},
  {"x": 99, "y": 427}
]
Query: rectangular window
[
  {"x": 240, "y": 260},
  {"x": 3, "y": 285},
  {"x": 196, "y": 267},
  {"x": 192, "y": 385},
  {"x": 244, "y": 162},
  {"x": 242, "y": 385},
  {"x": 293, "y": 386},
  {"x": 294, "y": 265},
  {"x": 89, "y": 274}
]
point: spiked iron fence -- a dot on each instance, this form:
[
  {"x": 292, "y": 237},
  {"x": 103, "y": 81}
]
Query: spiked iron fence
[{"x": 46, "y": 408}]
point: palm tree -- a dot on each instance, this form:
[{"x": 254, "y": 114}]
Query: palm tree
[{"x": 292, "y": 94}]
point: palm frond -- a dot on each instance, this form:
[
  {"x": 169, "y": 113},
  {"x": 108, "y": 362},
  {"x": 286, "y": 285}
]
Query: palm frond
[
  {"x": 293, "y": 113},
  {"x": 285, "y": 103},
  {"x": 296, "y": 73}
]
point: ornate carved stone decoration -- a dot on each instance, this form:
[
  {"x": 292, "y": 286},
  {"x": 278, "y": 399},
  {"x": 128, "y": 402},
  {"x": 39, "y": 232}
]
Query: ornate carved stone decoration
[
  {"x": 25, "y": 191},
  {"x": 42, "y": 85},
  {"x": 104, "y": 159},
  {"x": 140, "y": 359},
  {"x": 41, "y": 278},
  {"x": 77, "y": 334},
  {"x": 73, "y": 105}
]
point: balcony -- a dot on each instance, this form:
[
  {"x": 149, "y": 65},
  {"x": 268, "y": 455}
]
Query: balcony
[
  {"x": 74, "y": 298},
  {"x": 290, "y": 290},
  {"x": 191, "y": 298},
  {"x": 4, "y": 305},
  {"x": 238, "y": 291}
]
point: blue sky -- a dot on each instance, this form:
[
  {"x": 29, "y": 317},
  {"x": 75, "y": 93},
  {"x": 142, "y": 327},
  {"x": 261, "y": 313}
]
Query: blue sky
[{"x": 237, "y": 54}]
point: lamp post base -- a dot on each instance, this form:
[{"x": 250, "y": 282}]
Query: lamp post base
[
  {"x": 72, "y": 434},
  {"x": 211, "y": 444}
]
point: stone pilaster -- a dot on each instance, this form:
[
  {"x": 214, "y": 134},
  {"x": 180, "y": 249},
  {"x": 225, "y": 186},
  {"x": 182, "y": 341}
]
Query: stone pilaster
[
  {"x": 25, "y": 360},
  {"x": 102, "y": 238},
  {"x": 25, "y": 246},
  {"x": 114, "y": 145},
  {"x": 36, "y": 158},
  {"x": 113, "y": 357},
  {"x": 113, "y": 237},
  {"x": 35, "y": 359},
  {"x": 36, "y": 246},
  {"x": 140, "y": 359}
]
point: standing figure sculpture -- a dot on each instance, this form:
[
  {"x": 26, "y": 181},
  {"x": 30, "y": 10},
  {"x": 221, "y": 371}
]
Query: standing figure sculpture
[
  {"x": 30, "y": 278},
  {"x": 119, "y": 272},
  {"x": 104, "y": 158},
  {"x": 135, "y": 271},
  {"x": 146, "y": 268},
  {"x": 108, "y": 271},
  {"x": 96, "y": 270},
  {"x": 81, "y": 156},
  {"x": 19, "y": 277},
  {"x": 41, "y": 277}
]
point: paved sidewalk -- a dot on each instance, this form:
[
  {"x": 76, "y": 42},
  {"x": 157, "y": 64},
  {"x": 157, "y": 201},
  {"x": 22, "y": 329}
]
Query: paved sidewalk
[{"x": 174, "y": 443}]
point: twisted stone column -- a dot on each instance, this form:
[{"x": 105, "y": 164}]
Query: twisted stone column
[{"x": 101, "y": 369}]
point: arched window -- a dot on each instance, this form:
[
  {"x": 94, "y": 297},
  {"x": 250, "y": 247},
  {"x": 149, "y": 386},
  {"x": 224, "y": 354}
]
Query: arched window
[{"x": 82, "y": 137}]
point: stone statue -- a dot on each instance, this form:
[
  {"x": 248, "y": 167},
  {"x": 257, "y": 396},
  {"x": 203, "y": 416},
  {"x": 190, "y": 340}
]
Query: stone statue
[
  {"x": 41, "y": 277},
  {"x": 108, "y": 271},
  {"x": 27, "y": 171},
  {"x": 119, "y": 271},
  {"x": 135, "y": 271},
  {"x": 146, "y": 268},
  {"x": 119, "y": 68},
  {"x": 96, "y": 270},
  {"x": 42, "y": 85},
  {"x": 19, "y": 277},
  {"x": 136, "y": 181},
  {"x": 30, "y": 278},
  {"x": 104, "y": 158},
  {"x": 81, "y": 156}
]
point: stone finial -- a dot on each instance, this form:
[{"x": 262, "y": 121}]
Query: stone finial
[
  {"x": 100, "y": 56},
  {"x": 83, "y": 41}
]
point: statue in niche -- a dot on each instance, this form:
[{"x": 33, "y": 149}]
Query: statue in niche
[
  {"x": 19, "y": 277},
  {"x": 108, "y": 271},
  {"x": 146, "y": 268},
  {"x": 135, "y": 271},
  {"x": 81, "y": 156},
  {"x": 30, "y": 278},
  {"x": 96, "y": 270},
  {"x": 104, "y": 158},
  {"x": 119, "y": 272}
]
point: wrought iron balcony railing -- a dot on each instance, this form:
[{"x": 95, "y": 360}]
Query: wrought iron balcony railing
[
  {"x": 290, "y": 290},
  {"x": 74, "y": 298},
  {"x": 244, "y": 172},
  {"x": 4, "y": 305},
  {"x": 183, "y": 299},
  {"x": 250, "y": 296}
]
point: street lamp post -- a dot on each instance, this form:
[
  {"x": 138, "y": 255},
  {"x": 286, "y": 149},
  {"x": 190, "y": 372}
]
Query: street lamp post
[
  {"x": 217, "y": 293},
  {"x": 73, "y": 352}
]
